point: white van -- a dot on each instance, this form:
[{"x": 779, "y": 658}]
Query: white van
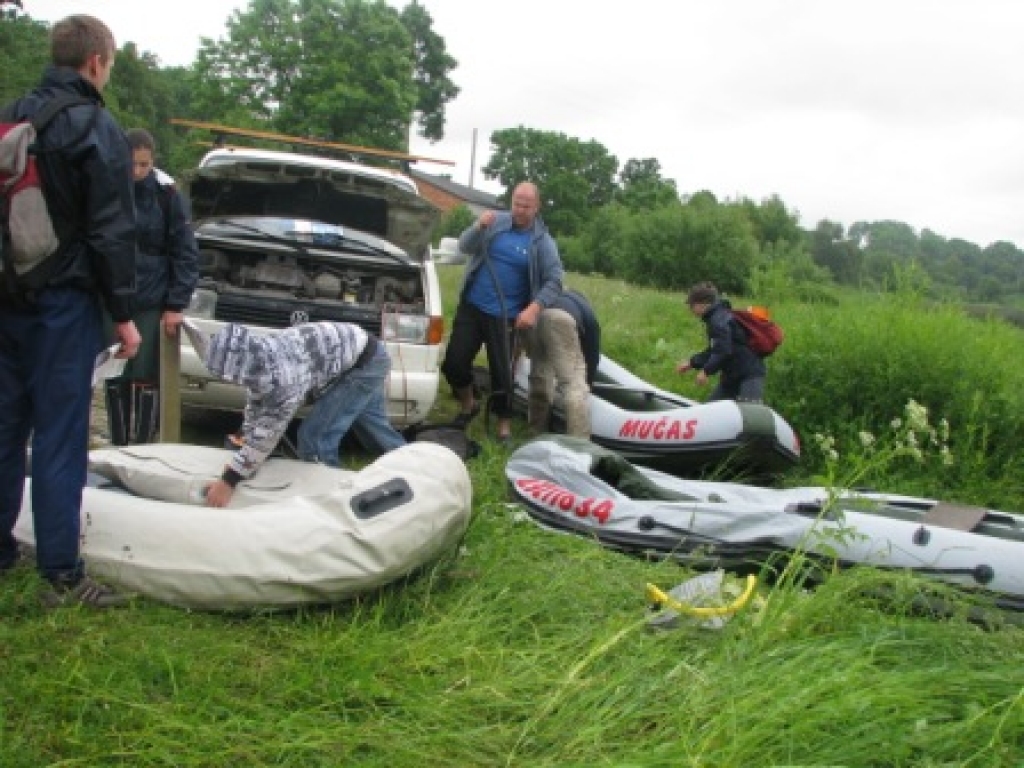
[{"x": 287, "y": 238}]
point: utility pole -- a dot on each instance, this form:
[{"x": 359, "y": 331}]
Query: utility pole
[{"x": 472, "y": 161}]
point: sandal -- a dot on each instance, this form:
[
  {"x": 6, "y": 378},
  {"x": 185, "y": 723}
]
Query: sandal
[{"x": 462, "y": 420}]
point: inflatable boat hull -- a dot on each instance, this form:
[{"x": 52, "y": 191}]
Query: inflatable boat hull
[
  {"x": 666, "y": 431},
  {"x": 575, "y": 486},
  {"x": 294, "y": 534}
]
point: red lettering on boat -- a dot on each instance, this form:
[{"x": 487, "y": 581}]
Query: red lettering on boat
[
  {"x": 561, "y": 500},
  {"x": 603, "y": 511},
  {"x": 629, "y": 428},
  {"x": 659, "y": 429}
]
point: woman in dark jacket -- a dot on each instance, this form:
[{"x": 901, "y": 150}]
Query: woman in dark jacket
[
  {"x": 166, "y": 271},
  {"x": 742, "y": 371}
]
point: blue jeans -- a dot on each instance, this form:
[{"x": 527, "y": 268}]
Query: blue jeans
[
  {"x": 357, "y": 400},
  {"x": 46, "y": 361}
]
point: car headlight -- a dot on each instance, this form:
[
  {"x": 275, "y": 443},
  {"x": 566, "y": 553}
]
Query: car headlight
[
  {"x": 203, "y": 304},
  {"x": 411, "y": 329}
]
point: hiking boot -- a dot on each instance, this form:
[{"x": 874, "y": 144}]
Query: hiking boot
[
  {"x": 86, "y": 592},
  {"x": 462, "y": 420}
]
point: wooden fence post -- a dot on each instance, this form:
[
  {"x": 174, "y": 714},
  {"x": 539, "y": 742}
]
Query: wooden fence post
[{"x": 170, "y": 387}]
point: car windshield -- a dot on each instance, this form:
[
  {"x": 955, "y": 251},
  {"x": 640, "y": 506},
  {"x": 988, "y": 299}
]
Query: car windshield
[{"x": 297, "y": 233}]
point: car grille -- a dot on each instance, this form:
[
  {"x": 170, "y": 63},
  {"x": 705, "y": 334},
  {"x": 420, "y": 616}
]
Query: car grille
[{"x": 279, "y": 313}]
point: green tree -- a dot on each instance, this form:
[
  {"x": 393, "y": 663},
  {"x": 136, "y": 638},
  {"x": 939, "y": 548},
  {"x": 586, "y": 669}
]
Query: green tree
[
  {"x": 343, "y": 70},
  {"x": 772, "y": 223},
  {"x": 139, "y": 96},
  {"x": 453, "y": 223},
  {"x": 674, "y": 247},
  {"x": 642, "y": 187},
  {"x": 601, "y": 245},
  {"x": 1004, "y": 263},
  {"x": 26, "y": 52},
  {"x": 786, "y": 271},
  {"x": 434, "y": 89},
  {"x": 575, "y": 178},
  {"x": 886, "y": 244},
  {"x": 177, "y": 150},
  {"x": 841, "y": 256}
]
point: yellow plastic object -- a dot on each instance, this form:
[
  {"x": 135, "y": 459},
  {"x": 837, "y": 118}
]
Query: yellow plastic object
[{"x": 655, "y": 595}]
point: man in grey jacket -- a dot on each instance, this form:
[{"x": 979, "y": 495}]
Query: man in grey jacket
[
  {"x": 337, "y": 367},
  {"x": 514, "y": 272}
]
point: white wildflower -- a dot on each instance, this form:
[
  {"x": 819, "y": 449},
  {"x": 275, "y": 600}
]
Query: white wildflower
[
  {"x": 917, "y": 416},
  {"x": 866, "y": 439},
  {"x": 825, "y": 442}
]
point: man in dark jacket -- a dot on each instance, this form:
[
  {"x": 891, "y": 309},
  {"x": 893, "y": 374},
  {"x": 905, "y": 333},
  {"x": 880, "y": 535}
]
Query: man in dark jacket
[
  {"x": 564, "y": 351},
  {"x": 742, "y": 371},
  {"x": 48, "y": 348}
]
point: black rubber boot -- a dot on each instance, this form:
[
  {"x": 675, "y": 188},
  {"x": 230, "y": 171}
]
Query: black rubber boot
[
  {"x": 147, "y": 410},
  {"x": 119, "y": 410}
]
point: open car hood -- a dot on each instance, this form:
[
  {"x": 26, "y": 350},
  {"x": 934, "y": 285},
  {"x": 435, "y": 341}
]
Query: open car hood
[{"x": 296, "y": 186}]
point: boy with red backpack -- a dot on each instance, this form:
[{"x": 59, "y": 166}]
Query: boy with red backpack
[{"x": 728, "y": 352}]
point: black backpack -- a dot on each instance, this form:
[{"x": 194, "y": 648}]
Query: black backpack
[{"x": 449, "y": 436}]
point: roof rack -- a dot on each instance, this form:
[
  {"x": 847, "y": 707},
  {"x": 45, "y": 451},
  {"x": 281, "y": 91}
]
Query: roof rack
[{"x": 221, "y": 132}]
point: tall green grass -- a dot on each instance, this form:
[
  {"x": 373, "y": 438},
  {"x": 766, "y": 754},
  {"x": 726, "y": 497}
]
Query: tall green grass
[{"x": 526, "y": 648}]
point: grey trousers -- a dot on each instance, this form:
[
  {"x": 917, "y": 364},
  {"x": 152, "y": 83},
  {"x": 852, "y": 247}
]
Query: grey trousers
[{"x": 557, "y": 359}]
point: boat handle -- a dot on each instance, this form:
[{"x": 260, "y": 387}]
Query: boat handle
[{"x": 381, "y": 498}]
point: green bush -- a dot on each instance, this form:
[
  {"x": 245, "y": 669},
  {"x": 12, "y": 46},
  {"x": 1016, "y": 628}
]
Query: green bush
[
  {"x": 453, "y": 223},
  {"x": 852, "y": 367}
]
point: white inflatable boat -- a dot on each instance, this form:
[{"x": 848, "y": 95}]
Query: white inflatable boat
[
  {"x": 661, "y": 429},
  {"x": 572, "y": 485},
  {"x": 295, "y": 533}
]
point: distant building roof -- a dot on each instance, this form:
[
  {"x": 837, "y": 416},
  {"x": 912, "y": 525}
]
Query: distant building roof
[{"x": 446, "y": 194}]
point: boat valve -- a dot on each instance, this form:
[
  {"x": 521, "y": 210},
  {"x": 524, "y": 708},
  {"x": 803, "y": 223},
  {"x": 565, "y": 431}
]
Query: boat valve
[{"x": 983, "y": 574}]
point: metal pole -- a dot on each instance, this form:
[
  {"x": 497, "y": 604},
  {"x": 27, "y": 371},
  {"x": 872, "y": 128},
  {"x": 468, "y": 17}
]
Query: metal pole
[{"x": 472, "y": 161}]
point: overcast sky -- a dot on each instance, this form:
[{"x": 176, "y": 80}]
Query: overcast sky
[{"x": 851, "y": 110}]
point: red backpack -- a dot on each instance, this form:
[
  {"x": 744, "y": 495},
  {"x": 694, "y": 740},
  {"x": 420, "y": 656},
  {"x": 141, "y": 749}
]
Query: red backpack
[
  {"x": 763, "y": 335},
  {"x": 27, "y": 235}
]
